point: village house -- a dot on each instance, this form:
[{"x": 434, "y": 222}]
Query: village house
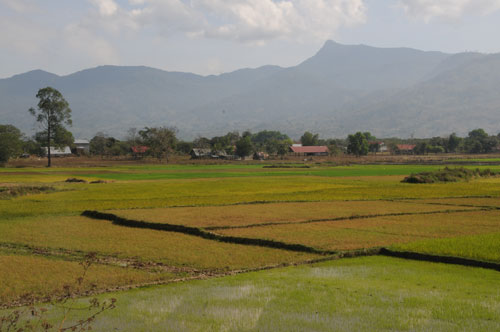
[
  {"x": 82, "y": 146},
  {"x": 260, "y": 156},
  {"x": 139, "y": 151},
  {"x": 405, "y": 148},
  {"x": 381, "y": 147},
  {"x": 309, "y": 150},
  {"x": 200, "y": 153},
  {"x": 58, "y": 152}
]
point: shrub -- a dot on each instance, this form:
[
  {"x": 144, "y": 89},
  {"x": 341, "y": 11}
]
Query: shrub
[{"x": 449, "y": 175}]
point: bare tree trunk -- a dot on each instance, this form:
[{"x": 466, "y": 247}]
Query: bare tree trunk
[{"x": 49, "y": 163}]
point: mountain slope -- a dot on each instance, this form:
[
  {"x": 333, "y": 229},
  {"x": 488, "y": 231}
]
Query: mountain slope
[{"x": 339, "y": 90}]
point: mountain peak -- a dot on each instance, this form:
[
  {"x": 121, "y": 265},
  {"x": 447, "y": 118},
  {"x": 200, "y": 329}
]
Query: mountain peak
[{"x": 35, "y": 74}]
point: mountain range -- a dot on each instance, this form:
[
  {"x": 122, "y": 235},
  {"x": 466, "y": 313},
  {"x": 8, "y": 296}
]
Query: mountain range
[{"x": 340, "y": 90}]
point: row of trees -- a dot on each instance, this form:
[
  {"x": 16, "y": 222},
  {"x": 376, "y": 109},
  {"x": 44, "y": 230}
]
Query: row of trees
[
  {"x": 477, "y": 141},
  {"x": 53, "y": 114},
  {"x": 161, "y": 142}
]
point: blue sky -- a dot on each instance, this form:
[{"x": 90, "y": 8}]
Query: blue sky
[{"x": 215, "y": 36}]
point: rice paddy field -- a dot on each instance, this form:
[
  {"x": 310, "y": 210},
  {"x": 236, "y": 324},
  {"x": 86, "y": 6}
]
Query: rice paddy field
[{"x": 243, "y": 247}]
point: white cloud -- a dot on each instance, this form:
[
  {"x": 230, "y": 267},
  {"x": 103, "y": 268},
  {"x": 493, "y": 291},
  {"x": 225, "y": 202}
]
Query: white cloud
[
  {"x": 253, "y": 21},
  {"x": 106, "y": 7},
  {"x": 448, "y": 9}
]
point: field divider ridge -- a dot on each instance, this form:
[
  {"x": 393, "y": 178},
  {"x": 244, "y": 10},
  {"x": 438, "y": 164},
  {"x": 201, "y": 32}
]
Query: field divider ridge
[
  {"x": 70, "y": 255},
  {"x": 411, "y": 255},
  {"x": 194, "y": 231},
  {"x": 354, "y": 217}
]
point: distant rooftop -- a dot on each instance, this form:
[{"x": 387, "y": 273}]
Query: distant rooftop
[{"x": 309, "y": 149}]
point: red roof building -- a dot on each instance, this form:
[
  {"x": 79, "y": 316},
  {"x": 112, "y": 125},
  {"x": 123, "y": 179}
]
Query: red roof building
[
  {"x": 140, "y": 149},
  {"x": 405, "y": 147},
  {"x": 310, "y": 150}
]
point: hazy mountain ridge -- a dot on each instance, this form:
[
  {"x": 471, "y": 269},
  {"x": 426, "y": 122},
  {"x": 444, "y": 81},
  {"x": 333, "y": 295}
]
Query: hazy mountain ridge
[{"x": 339, "y": 90}]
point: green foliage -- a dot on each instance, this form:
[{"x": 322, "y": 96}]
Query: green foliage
[
  {"x": 226, "y": 142},
  {"x": 160, "y": 140},
  {"x": 272, "y": 142},
  {"x": 184, "y": 147},
  {"x": 201, "y": 143},
  {"x": 10, "y": 142},
  {"x": 244, "y": 146},
  {"x": 53, "y": 113},
  {"x": 369, "y": 136},
  {"x": 309, "y": 139},
  {"x": 449, "y": 175},
  {"x": 373, "y": 146},
  {"x": 358, "y": 144},
  {"x": 453, "y": 143},
  {"x": 59, "y": 138},
  {"x": 478, "y": 141},
  {"x": 33, "y": 147},
  {"x": 103, "y": 145}
]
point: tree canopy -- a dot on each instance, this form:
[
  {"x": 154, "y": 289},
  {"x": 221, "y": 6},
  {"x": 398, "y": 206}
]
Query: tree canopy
[
  {"x": 160, "y": 140},
  {"x": 357, "y": 144},
  {"x": 309, "y": 139},
  {"x": 10, "y": 142},
  {"x": 479, "y": 141},
  {"x": 244, "y": 147},
  {"x": 53, "y": 113}
]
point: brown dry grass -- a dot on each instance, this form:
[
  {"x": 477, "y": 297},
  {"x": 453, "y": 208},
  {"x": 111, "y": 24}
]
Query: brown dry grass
[
  {"x": 42, "y": 277},
  {"x": 238, "y": 215},
  {"x": 372, "y": 232}
]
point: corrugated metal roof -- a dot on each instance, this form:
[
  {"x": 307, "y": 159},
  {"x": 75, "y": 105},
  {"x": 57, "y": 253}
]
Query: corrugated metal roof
[
  {"x": 58, "y": 152},
  {"x": 81, "y": 141},
  {"x": 309, "y": 149}
]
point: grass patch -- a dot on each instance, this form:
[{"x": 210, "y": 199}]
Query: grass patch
[
  {"x": 450, "y": 175},
  {"x": 361, "y": 294}
]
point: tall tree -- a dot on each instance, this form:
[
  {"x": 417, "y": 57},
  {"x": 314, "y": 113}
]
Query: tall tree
[
  {"x": 358, "y": 144},
  {"x": 244, "y": 146},
  {"x": 53, "y": 113},
  {"x": 453, "y": 143},
  {"x": 160, "y": 140},
  {"x": 308, "y": 139},
  {"x": 478, "y": 141}
]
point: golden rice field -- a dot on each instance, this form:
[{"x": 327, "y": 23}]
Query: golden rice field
[
  {"x": 292, "y": 212},
  {"x": 325, "y": 207},
  {"x": 173, "y": 249},
  {"x": 375, "y": 232},
  {"x": 45, "y": 277}
]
